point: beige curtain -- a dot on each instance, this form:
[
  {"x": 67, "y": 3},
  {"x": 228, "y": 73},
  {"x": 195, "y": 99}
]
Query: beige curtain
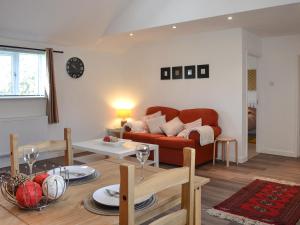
[{"x": 51, "y": 107}]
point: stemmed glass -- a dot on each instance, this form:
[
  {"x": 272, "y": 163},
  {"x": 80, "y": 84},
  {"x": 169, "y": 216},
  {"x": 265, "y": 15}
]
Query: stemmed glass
[
  {"x": 30, "y": 155},
  {"x": 142, "y": 154}
]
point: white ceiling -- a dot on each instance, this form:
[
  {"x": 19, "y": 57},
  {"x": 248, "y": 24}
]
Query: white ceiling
[
  {"x": 58, "y": 21},
  {"x": 145, "y": 14},
  {"x": 86, "y": 22},
  {"x": 274, "y": 21}
]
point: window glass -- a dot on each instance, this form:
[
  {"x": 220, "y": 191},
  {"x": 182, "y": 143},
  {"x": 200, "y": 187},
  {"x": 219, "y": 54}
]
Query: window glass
[{"x": 22, "y": 73}]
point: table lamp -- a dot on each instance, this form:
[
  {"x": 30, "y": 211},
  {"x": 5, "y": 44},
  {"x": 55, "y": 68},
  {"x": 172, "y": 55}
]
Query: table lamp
[{"x": 123, "y": 114}]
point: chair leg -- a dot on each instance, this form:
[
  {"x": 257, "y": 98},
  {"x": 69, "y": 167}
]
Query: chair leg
[
  {"x": 227, "y": 153},
  {"x": 223, "y": 151},
  {"x": 214, "y": 152},
  {"x": 236, "y": 153}
]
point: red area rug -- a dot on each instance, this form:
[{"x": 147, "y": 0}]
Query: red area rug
[{"x": 262, "y": 202}]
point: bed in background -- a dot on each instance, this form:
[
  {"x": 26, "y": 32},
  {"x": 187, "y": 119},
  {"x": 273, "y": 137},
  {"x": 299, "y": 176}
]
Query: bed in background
[{"x": 251, "y": 118}]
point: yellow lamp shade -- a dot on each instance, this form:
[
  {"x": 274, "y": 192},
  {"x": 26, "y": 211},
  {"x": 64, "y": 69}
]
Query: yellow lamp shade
[{"x": 124, "y": 113}]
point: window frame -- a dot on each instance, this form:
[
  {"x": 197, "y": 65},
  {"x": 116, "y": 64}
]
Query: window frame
[{"x": 15, "y": 94}]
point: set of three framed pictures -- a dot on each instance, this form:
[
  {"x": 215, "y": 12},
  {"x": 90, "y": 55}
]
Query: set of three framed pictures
[{"x": 186, "y": 72}]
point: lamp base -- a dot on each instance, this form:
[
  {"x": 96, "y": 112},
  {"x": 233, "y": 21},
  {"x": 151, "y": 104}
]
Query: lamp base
[{"x": 123, "y": 122}]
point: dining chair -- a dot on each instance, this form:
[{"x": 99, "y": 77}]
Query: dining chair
[
  {"x": 47, "y": 146},
  {"x": 129, "y": 191}
]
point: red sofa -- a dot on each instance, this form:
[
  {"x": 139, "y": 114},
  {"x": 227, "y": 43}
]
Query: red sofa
[{"x": 170, "y": 148}]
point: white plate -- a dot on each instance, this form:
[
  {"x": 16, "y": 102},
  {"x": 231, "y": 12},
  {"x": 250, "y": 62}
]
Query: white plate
[
  {"x": 113, "y": 144},
  {"x": 75, "y": 172},
  {"x": 101, "y": 196}
]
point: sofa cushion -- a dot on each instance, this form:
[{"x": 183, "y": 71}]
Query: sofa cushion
[
  {"x": 155, "y": 124},
  {"x": 208, "y": 116},
  {"x": 174, "y": 142},
  {"x": 169, "y": 112},
  {"x": 137, "y": 126},
  {"x": 150, "y": 116},
  {"x": 196, "y": 123},
  {"x": 173, "y": 127},
  {"x": 142, "y": 137}
]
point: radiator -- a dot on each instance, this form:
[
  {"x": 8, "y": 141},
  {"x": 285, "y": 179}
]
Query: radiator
[{"x": 28, "y": 129}]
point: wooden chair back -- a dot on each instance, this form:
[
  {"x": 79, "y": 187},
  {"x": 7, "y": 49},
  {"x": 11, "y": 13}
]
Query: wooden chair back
[
  {"x": 183, "y": 176},
  {"x": 47, "y": 146}
]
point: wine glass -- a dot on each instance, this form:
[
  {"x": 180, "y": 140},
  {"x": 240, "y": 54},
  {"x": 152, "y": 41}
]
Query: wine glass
[
  {"x": 142, "y": 154},
  {"x": 30, "y": 155}
]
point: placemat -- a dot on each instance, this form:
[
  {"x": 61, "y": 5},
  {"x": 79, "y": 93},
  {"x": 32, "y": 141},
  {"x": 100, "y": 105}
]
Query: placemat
[{"x": 94, "y": 207}]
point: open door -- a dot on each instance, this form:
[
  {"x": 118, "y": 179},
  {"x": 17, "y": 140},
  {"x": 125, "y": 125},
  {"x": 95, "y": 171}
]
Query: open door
[{"x": 252, "y": 105}]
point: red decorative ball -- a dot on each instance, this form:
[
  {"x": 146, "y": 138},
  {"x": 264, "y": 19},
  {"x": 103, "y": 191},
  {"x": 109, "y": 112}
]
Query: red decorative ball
[
  {"x": 106, "y": 139},
  {"x": 29, "y": 194},
  {"x": 40, "y": 178}
]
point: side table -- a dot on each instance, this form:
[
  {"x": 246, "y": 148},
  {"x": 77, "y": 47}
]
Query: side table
[
  {"x": 116, "y": 132},
  {"x": 225, "y": 141}
]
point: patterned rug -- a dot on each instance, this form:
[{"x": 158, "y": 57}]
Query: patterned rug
[{"x": 264, "y": 201}]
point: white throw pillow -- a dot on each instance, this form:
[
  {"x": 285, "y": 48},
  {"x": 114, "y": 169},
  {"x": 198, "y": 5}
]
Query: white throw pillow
[
  {"x": 154, "y": 124},
  {"x": 196, "y": 123},
  {"x": 147, "y": 117},
  {"x": 138, "y": 126},
  {"x": 173, "y": 127}
]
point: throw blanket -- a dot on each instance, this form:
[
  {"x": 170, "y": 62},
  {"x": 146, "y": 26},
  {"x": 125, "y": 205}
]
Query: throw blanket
[{"x": 206, "y": 134}]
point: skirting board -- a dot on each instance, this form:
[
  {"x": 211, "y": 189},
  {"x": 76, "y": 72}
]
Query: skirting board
[{"x": 280, "y": 152}]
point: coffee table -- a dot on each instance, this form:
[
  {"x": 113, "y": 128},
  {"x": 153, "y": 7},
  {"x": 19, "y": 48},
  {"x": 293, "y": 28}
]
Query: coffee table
[{"x": 128, "y": 148}]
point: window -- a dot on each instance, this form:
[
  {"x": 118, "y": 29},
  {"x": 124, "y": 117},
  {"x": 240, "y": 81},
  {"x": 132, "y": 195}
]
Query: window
[{"x": 22, "y": 73}]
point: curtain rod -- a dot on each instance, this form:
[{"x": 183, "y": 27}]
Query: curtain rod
[{"x": 35, "y": 49}]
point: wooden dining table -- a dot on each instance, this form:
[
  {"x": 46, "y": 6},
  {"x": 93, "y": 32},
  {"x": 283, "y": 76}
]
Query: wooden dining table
[{"x": 69, "y": 210}]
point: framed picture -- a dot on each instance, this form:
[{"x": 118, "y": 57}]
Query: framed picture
[
  {"x": 189, "y": 72},
  {"x": 177, "y": 72},
  {"x": 165, "y": 73},
  {"x": 203, "y": 71}
]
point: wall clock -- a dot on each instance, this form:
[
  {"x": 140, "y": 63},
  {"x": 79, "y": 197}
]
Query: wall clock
[{"x": 75, "y": 67}]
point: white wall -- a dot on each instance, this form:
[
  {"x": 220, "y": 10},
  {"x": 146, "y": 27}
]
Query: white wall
[
  {"x": 279, "y": 95},
  {"x": 222, "y": 91},
  {"x": 85, "y": 104}
]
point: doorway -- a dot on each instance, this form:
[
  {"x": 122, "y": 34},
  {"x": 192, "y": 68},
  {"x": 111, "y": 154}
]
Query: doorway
[{"x": 252, "y": 104}]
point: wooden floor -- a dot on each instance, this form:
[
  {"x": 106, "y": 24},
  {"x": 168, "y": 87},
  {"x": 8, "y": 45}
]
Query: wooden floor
[{"x": 227, "y": 181}]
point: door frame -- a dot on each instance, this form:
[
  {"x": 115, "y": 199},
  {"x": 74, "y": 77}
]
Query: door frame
[
  {"x": 298, "y": 110},
  {"x": 258, "y": 114}
]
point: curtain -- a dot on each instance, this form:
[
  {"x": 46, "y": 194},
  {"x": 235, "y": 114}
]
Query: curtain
[{"x": 51, "y": 106}]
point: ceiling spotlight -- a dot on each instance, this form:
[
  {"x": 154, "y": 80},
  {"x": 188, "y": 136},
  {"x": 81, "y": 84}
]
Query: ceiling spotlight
[
  {"x": 229, "y": 18},
  {"x": 174, "y": 27},
  {"x": 131, "y": 34}
]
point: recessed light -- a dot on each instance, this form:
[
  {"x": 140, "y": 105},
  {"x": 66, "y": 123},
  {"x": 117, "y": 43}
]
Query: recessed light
[
  {"x": 174, "y": 27},
  {"x": 229, "y": 18},
  {"x": 131, "y": 34}
]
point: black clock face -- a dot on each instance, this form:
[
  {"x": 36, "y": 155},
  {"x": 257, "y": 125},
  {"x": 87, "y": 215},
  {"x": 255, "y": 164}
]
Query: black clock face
[{"x": 75, "y": 67}]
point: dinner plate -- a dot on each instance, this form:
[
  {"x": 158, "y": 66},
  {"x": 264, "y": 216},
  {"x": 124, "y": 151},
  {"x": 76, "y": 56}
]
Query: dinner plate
[
  {"x": 75, "y": 172},
  {"x": 101, "y": 196}
]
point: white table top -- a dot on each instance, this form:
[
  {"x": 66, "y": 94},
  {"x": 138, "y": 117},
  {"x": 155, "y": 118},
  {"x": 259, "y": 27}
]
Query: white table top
[{"x": 126, "y": 149}]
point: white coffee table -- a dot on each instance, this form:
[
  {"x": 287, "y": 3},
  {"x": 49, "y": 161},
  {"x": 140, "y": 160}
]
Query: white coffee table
[{"x": 126, "y": 149}]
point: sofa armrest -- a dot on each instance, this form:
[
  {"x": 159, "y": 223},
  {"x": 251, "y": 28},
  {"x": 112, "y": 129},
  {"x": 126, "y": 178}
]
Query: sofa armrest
[{"x": 196, "y": 136}]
